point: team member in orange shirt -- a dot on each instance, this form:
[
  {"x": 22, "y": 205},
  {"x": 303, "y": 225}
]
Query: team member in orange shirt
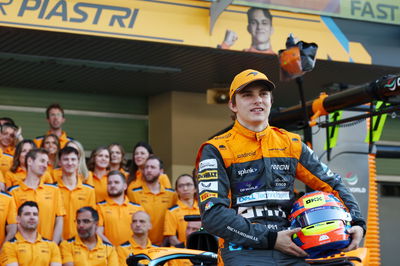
[
  {"x": 28, "y": 247},
  {"x": 116, "y": 211},
  {"x": 56, "y": 119},
  {"x": 141, "y": 152},
  {"x": 175, "y": 224},
  {"x": 83, "y": 171},
  {"x": 87, "y": 248},
  {"x": 98, "y": 164},
  {"x": 75, "y": 194},
  {"x": 8, "y": 134},
  {"x": 8, "y": 213},
  {"x": 117, "y": 158},
  {"x": 154, "y": 197},
  {"x": 47, "y": 196},
  {"x": 51, "y": 144},
  {"x": 5, "y": 164},
  {"x": 17, "y": 172},
  {"x": 139, "y": 242}
]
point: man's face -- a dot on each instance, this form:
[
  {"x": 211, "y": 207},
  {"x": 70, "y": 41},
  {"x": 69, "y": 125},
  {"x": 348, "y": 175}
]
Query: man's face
[
  {"x": 7, "y": 137},
  {"x": 56, "y": 119},
  {"x": 39, "y": 165},
  {"x": 259, "y": 27},
  {"x": 151, "y": 170},
  {"x": 26, "y": 147},
  {"x": 140, "y": 223},
  {"x": 116, "y": 155},
  {"x": 29, "y": 218},
  {"x": 115, "y": 186},
  {"x": 50, "y": 145},
  {"x": 102, "y": 159},
  {"x": 86, "y": 226},
  {"x": 69, "y": 163},
  {"x": 185, "y": 187},
  {"x": 252, "y": 107}
]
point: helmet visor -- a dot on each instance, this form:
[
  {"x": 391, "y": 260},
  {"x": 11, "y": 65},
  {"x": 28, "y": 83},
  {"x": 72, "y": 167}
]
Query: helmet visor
[{"x": 322, "y": 214}]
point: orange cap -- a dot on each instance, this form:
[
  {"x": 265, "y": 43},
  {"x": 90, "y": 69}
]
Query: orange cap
[{"x": 246, "y": 77}]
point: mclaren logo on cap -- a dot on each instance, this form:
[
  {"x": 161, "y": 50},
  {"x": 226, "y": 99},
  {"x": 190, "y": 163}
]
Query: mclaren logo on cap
[{"x": 253, "y": 73}]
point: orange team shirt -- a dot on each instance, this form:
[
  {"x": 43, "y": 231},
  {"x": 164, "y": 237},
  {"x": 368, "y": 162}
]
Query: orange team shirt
[
  {"x": 139, "y": 182},
  {"x": 57, "y": 175},
  {"x": 10, "y": 150},
  {"x": 8, "y": 213},
  {"x": 116, "y": 219},
  {"x": 13, "y": 179},
  {"x": 131, "y": 247},
  {"x": 49, "y": 199},
  {"x": 63, "y": 139},
  {"x": 156, "y": 206},
  {"x": 18, "y": 250},
  {"x": 175, "y": 223},
  {"x": 82, "y": 195},
  {"x": 6, "y": 161},
  {"x": 100, "y": 186},
  {"x": 75, "y": 251}
]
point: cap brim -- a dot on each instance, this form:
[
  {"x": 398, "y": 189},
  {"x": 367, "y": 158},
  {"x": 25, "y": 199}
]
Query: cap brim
[{"x": 267, "y": 83}]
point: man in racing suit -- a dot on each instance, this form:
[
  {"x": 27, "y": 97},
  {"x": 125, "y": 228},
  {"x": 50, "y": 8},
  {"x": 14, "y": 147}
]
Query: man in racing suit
[{"x": 246, "y": 178}]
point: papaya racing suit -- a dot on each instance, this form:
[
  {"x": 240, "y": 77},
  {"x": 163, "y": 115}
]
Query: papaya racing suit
[{"x": 245, "y": 182}]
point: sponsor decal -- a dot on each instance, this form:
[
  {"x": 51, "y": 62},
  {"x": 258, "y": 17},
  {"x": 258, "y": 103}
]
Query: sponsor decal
[
  {"x": 242, "y": 233},
  {"x": 213, "y": 186},
  {"x": 250, "y": 170},
  {"x": 280, "y": 167},
  {"x": 248, "y": 186},
  {"x": 246, "y": 154},
  {"x": 208, "y": 164},
  {"x": 207, "y": 175},
  {"x": 224, "y": 136},
  {"x": 222, "y": 147},
  {"x": 261, "y": 211},
  {"x": 323, "y": 237},
  {"x": 351, "y": 178},
  {"x": 206, "y": 195},
  {"x": 208, "y": 205},
  {"x": 263, "y": 195},
  {"x": 314, "y": 201},
  {"x": 358, "y": 189},
  {"x": 277, "y": 149}
]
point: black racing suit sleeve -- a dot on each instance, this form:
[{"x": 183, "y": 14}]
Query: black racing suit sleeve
[
  {"x": 310, "y": 161},
  {"x": 222, "y": 221}
]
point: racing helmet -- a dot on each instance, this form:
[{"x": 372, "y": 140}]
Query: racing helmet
[{"x": 324, "y": 222}]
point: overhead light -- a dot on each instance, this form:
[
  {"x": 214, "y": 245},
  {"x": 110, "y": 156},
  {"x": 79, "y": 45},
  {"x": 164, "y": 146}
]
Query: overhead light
[{"x": 217, "y": 96}]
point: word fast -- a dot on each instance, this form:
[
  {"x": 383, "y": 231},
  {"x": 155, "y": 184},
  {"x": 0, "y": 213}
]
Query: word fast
[{"x": 123, "y": 16}]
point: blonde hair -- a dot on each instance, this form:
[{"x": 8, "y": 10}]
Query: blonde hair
[{"x": 82, "y": 168}]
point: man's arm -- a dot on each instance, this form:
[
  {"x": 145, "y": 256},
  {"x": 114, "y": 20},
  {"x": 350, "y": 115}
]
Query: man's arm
[
  {"x": 173, "y": 240},
  {"x": 58, "y": 227},
  {"x": 217, "y": 217},
  {"x": 11, "y": 230}
]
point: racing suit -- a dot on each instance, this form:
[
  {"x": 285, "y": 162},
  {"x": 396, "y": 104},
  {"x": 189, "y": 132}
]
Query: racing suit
[{"x": 245, "y": 182}]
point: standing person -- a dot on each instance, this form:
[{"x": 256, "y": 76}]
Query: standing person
[
  {"x": 154, "y": 198},
  {"x": 252, "y": 168},
  {"x": 75, "y": 194},
  {"x": 139, "y": 241},
  {"x": 117, "y": 158},
  {"x": 17, "y": 172},
  {"x": 51, "y": 144},
  {"x": 28, "y": 247},
  {"x": 87, "y": 248},
  {"x": 83, "y": 171},
  {"x": 116, "y": 210},
  {"x": 260, "y": 28},
  {"x": 98, "y": 164},
  {"x": 47, "y": 196},
  {"x": 175, "y": 224},
  {"x": 8, "y": 214},
  {"x": 55, "y": 118},
  {"x": 141, "y": 152}
]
